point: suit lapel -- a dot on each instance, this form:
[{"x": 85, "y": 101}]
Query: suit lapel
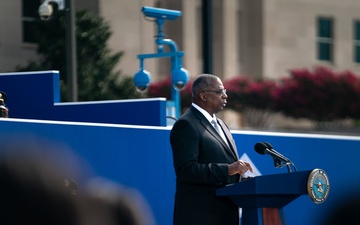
[
  {"x": 228, "y": 136},
  {"x": 230, "y": 149}
]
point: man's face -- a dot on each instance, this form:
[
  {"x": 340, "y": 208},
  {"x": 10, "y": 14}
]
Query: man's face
[{"x": 216, "y": 97}]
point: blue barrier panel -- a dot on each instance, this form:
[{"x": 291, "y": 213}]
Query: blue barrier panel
[
  {"x": 137, "y": 157},
  {"x": 36, "y": 95},
  {"x": 337, "y": 155},
  {"x": 140, "y": 157}
]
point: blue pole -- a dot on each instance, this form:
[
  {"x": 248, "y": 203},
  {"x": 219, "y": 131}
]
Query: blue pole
[
  {"x": 175, "y": 57},
  {"x": 175, "y": 94}
]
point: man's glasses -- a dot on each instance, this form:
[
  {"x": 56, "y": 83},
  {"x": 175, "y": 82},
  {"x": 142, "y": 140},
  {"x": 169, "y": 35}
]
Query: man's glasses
[{"x": 221, "y": 91}]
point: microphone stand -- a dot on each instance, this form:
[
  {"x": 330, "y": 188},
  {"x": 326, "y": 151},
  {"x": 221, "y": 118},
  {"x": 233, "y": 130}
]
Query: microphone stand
[{"x": 279, "y": 164}]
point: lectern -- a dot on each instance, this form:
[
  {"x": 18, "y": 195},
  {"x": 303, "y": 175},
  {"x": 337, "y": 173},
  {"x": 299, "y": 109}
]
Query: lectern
[{"x": 262, "y": 198}]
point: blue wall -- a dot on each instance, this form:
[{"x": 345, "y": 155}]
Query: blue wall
[
  {"x": 140, "y": 157},
  {"x": 337, "y": 155},
  {"x": 36, "y": 95},
  {"x": 134, "y": 157}
]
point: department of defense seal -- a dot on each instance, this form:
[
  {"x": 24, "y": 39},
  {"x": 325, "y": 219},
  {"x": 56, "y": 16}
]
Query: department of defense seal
[{"x": 318, "y": 186}]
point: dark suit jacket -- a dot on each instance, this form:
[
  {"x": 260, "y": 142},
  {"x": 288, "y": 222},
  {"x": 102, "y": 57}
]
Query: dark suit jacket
[{"x": 201, "y": 161}]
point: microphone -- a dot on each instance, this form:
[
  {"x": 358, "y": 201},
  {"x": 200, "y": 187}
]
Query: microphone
[
  {"x": 263, "y": 149},
  {"x": 270, "y": 147},
  {"x": 266, "y": 148}
]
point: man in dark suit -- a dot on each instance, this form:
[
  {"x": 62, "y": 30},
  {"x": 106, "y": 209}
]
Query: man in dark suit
[{"x": 205, "y": 159}]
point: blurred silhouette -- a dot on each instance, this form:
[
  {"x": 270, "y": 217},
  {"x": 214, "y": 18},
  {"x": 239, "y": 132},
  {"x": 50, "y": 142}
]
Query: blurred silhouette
[
  {"x": 106, "y": 202},
  {"x": 39, "y": 186},
  {"x": 32, "y": 191},
  {"x": 4, "y": 111},
  {"x": 346, "y": 211}
]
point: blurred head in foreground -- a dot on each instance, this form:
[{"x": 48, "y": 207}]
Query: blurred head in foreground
[
  {"x": 345, "y": 211},
  {"x": 32, "y": 190},
  {"x": 39, "y": 186},
  {"x": 106, "y": 202}
]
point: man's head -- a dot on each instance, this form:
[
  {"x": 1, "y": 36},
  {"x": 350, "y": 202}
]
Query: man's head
[
  {"x": 32, "y": 191},
  {"x": 209, "y": 93}
]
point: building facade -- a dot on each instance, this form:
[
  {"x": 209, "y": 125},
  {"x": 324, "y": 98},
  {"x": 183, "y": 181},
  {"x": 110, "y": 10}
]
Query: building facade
[{"x": 261, "y": 38}]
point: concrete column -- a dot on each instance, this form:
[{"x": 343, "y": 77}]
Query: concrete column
[
  {"x": 218, "y": 38},
  {"x": 230, "y": 38},
  {"x": 192, "y": 36}
]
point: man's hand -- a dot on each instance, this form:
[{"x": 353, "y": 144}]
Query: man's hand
[{"x": 239, "y": 167}]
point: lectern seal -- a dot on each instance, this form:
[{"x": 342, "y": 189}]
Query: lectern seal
[{"x": 318, "y": 186}]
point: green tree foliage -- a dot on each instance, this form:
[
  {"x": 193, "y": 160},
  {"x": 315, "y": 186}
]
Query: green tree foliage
[{"x": 97, "y": 79}]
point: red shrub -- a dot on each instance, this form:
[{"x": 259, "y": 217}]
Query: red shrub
[
  {"x": 243, "y": 92},
  {"x": 163, "y": 89},
  {"x": 320, "y": 95}
]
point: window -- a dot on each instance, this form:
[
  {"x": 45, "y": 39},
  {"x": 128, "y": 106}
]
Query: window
[
  {"x": 357, "y": 41},
  {"x": 325, "y": 39},
  {"x": 30, "y": 18}
]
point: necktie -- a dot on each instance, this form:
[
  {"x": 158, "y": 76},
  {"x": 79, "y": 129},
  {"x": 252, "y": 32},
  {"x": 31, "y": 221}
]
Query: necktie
[{"x": 219, "y": 130}]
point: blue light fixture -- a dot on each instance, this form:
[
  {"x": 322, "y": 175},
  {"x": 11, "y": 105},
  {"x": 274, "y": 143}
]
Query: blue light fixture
[
  {"x": 179, "y": 75},
  {"x": 142, "y": 80},
  {"x": 179, "y": 78}
]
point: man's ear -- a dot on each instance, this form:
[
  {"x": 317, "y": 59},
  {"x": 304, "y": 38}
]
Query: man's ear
[{"x": 203, "y": 96}]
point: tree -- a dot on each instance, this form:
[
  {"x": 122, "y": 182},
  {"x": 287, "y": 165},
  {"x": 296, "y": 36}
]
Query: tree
[{"x": 97, "y": 79}]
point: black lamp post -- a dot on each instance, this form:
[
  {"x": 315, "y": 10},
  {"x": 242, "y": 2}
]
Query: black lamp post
[
  {"x": 45, "y": 12},
  {"x": 71, "y": 59}
]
